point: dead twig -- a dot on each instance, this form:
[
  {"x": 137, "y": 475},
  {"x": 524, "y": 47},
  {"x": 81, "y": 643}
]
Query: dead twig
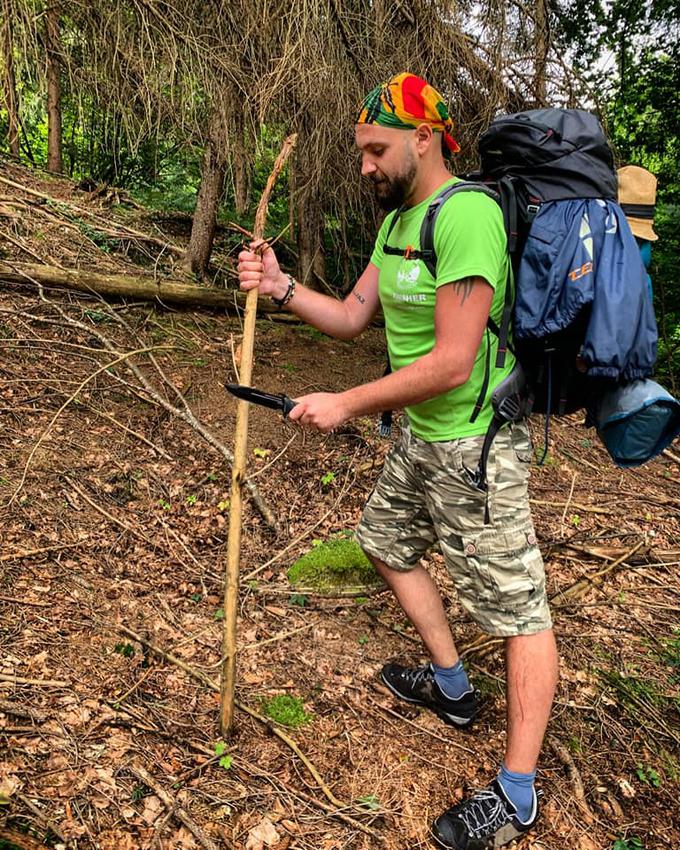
[
  {"x": 10, "y": 678},
  {"x": 574, "y": 776},
  {"x": 172, "y": 805}
]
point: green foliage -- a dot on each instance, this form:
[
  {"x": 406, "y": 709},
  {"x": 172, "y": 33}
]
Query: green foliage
[
  {"x": 298, "y": 599},
  {"x": 370, "y": 801},
  {"x": 628, "y": 844},
  {"x": 287, "y": 710},
  {"x": 226, "y": 760},
  {"x": 647, "y": 775},
  {"x": 327, "y": 478},
  {"x": 333, "y": 564},
  {"x": 125, "y": 649}
]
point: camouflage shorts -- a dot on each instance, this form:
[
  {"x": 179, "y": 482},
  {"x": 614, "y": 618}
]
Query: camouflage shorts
[{"x": 424, "y": 496}]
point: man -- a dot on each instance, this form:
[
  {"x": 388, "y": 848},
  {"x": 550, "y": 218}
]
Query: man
[{"x": 440, "y": 349}]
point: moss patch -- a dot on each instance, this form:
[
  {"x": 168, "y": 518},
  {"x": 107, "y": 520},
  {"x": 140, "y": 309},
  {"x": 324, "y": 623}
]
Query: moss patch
[
  {"x": 286, "y": 710},
  {"x": 337, "y": 563}
]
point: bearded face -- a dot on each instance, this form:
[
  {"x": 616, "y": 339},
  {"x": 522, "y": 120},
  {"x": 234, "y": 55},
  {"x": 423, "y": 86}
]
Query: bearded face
[{"x": 392, "y": 190}]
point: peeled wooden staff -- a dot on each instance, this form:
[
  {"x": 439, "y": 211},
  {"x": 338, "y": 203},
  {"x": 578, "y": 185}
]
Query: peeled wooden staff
[{"x": 238, "y": 470}]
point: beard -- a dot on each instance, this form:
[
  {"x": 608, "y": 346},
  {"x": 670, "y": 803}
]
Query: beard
[{"x": 392, "y": 192}]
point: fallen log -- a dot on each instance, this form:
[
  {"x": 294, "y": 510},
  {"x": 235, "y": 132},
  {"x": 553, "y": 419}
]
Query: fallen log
[{"x": 127, "y": 286}]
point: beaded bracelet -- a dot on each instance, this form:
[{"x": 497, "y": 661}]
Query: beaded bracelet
[{"x": 281, "y": 302}]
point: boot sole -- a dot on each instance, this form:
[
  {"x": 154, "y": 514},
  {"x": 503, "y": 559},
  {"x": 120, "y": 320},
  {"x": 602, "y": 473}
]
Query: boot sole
[{"x": 449, "y": 719}]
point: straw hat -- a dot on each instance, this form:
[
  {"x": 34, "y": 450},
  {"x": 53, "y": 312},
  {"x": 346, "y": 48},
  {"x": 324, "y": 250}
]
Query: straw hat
[{"x": 637, "y": 198}]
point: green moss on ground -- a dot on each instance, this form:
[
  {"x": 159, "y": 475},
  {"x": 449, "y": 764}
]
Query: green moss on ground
[{"x": 337, "y": 563}]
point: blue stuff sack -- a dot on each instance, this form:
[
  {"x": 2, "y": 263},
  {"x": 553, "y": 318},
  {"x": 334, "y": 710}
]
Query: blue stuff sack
[{"x": 637, "y": 421}]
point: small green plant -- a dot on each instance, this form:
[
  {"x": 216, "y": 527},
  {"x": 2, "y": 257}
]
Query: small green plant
[
  {"x": 327, "y": 479},
  {"x": 298, "y": 599},
  {"x": 286, "y": 710},
  {"x": 196, "y": 597},
  {"x": 370, "y": 801},
  {"x": 363, "y": 640},
  {"x": 125, "y": 649},
  {"x": 575, "y": 520},
  {"x": 225, "y": 759},
  {"x": 98, "y": 317},
  {"x": 165, "y": 505},
  {"x": 223, "y": 505},
  {"x": 192, "y": 499},
  {"x": 139, "y": 792},
  {"x": 647, "y": 775},
  {"x": 219, "y": 614},
  {"x": 628, "y": 844},
  {"x": 261, "y": 453}
]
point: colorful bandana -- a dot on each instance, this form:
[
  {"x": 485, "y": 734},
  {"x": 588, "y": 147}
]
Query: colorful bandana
[{"x": 405, "y": 102}]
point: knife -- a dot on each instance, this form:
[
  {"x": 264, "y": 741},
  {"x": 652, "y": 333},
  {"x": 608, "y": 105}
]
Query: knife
[{"x": 275, "y": 401}]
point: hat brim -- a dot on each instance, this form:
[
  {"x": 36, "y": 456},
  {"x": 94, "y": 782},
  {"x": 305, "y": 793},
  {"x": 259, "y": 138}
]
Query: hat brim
[{"x": 642, "y": 228}]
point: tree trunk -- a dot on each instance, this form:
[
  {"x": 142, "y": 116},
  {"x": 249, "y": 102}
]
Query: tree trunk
[
  {"x": 242, "y": 161},
  {"x": 311, "y": 262},
  {"x": 213, "y": 172},
  {"x": 542, "y": 45},
  {"x": 52, "y": 49},
  {"x": 9, "y": 82}
]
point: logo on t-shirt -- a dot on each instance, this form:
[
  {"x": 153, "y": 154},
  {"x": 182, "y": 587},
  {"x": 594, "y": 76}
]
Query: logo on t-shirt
[{"x": 407, "y": 281}]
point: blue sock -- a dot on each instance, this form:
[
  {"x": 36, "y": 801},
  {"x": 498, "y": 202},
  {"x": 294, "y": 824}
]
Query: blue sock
[
  {"x": 520, "y": 790},
  {"x": 452, "y": 680}
]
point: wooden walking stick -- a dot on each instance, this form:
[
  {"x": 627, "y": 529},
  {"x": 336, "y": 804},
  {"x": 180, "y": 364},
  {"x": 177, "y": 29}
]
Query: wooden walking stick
[{"x": 238, "y": 470}]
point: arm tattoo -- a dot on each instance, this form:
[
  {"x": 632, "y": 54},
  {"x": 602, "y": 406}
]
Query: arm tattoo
[
  {"x": 360, "y": 298},
  {"x": 463, "y": 288}
]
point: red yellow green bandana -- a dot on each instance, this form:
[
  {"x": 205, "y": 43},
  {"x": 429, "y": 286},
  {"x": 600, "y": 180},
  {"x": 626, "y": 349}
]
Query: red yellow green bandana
[{"x": 405, "y": 102}]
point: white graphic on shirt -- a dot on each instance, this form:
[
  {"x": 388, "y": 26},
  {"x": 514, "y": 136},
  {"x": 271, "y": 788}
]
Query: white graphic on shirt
[{"x": 408, "y": 274}]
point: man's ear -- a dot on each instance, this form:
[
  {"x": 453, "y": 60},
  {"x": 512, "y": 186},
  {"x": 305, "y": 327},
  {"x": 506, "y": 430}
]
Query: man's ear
[{"x": 424, "y": 136}]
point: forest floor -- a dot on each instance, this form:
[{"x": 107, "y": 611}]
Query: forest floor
[{"x": 114, "y": 513}]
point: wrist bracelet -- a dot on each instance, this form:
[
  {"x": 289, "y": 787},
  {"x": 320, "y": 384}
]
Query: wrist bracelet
[{"x": 281, "y": 302}]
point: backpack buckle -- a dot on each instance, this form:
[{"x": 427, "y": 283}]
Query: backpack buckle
[
  {"x": 407, "y": 252},
  {"x": 532, "y": 209}
]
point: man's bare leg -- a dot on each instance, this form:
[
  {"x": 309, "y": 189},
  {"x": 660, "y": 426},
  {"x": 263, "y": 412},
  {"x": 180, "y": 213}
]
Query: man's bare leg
[
  {"x": 531, "y": 674},
  {"x": 420, "y": 600}
]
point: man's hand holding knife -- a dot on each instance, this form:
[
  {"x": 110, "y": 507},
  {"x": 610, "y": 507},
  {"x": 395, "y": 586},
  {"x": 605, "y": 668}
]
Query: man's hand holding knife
[{"x": 258, "y": 267}]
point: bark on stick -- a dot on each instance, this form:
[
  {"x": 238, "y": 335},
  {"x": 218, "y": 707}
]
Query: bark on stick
[{"x": 238, "y": 470}]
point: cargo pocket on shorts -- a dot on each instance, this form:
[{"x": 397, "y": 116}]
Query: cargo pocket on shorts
[{"x": 509, "y": 567}]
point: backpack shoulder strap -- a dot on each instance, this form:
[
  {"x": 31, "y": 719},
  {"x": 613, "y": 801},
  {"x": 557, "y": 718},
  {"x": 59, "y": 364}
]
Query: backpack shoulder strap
[
  {"x": 506, "y": 201},
  {"x": 395, "y": 218},
  {"x": 427, "y": 251}
]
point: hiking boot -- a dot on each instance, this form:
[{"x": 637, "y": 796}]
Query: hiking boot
[
  {"x": 482, "y": 822},
  {"x": 418, "y": 686}
]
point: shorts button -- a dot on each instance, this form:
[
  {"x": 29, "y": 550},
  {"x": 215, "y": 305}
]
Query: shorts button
[
  {"x": 470, "y": 549},
  {"x": 531, "y": 539}
]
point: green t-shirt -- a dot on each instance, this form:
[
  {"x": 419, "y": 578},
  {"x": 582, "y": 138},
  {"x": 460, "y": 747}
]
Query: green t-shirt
[{"x": 469, "y": 241}]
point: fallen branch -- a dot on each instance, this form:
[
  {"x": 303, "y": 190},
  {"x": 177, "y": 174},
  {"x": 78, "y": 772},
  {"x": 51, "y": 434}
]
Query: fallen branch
[
  {"x": 139, "y": 287},
  {"x": 41, "y": 683},
  {"x": 173, "y": 806},
  {"x": 29, "y": 553},
  {"x": 574, "y": 776}
]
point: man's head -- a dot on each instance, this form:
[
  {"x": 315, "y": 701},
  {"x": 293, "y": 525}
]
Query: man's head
[{"x": 403, "y": 127}]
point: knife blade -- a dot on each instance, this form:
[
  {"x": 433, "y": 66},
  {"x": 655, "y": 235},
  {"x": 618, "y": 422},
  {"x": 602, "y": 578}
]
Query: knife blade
[{"x": 274, "y": 401}]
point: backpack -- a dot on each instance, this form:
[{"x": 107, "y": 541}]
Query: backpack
[{"x": 552, "y": 173}]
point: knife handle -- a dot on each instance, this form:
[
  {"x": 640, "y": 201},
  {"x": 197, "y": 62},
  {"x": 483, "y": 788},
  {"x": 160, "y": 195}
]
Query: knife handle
[{"x": 288, "y": 405}]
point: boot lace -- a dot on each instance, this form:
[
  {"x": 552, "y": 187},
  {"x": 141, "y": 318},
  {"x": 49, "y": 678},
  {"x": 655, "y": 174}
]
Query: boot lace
[
  {"x": 417, "y": 676},
  {"x": 483, "y": 814}
]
